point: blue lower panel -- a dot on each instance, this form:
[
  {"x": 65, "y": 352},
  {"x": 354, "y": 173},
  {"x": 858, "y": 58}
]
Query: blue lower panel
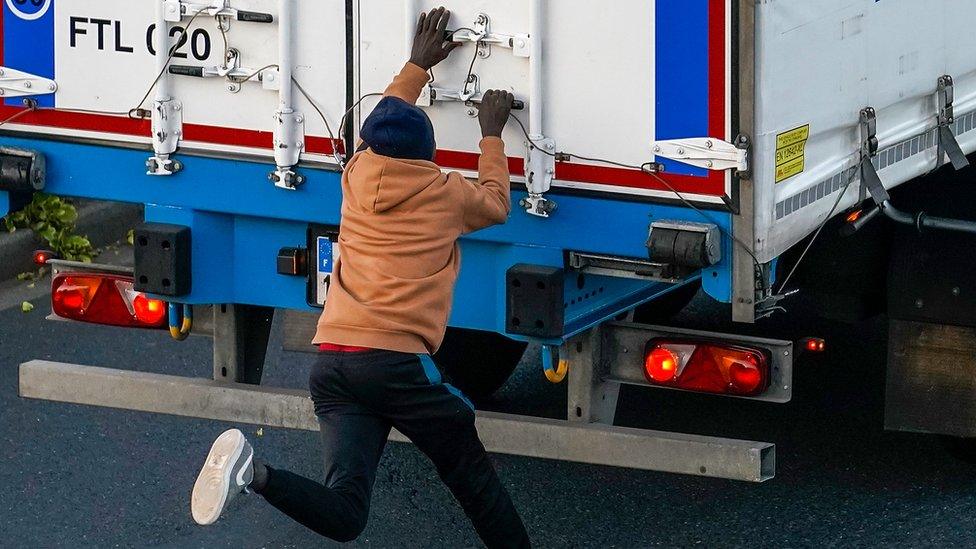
[{"x": 239, "y": 221}]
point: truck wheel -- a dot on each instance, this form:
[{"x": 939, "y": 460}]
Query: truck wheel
[
  {"x": 667, "y": 306},
  {"x": 478, "y": 363}
]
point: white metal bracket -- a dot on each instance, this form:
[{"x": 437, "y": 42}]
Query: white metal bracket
[
  {"x": 167, "y": 130},
  {"x": 14, "y": 83},
  {"x": 540, "y": 170},
  {"x": 289, "y": 144},
  {"x": 480, "y": 33},
  {"x": 704, "y": 152}
]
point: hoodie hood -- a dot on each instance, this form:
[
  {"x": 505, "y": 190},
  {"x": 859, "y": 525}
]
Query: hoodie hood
[{"x": 380, "y": 183}]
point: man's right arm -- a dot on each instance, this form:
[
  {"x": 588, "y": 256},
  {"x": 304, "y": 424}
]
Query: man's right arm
[{"x": 488, "y": 202}]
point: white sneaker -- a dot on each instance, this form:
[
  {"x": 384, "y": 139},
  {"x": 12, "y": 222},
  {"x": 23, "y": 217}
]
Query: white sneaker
[{"x": 227, "y": 472}]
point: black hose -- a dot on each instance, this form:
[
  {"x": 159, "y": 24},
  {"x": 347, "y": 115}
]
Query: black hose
[{"x": 925, "y": 221}]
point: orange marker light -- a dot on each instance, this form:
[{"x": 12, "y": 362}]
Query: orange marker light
[
  {"x": 854, "y": 216},
  {"x": 815, "y": 345}
]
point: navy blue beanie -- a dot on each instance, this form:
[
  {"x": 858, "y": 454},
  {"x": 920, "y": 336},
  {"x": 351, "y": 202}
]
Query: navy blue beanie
[{"x": 399, "y": 130}]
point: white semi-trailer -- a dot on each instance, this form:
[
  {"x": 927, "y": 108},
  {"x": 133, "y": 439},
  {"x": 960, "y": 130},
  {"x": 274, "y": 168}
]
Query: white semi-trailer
[{"x": 661, "y": 146}]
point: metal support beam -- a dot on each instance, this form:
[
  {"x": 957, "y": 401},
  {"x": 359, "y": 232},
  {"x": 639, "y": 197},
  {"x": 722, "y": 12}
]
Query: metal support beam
[
  {"x": 590, "y": 398},
  {"x": 241, "y": 335},
  {"x": 292, "y": 409},
  {"x": 744, "y": 222}
]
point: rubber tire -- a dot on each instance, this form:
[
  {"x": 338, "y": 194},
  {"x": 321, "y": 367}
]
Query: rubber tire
[
  {"x": 667, "y": 306},
  {"x": 478, "y": 363}
]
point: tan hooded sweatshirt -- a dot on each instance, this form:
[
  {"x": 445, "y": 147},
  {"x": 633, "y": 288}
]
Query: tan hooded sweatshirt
[{"x": 393, "y": 282}]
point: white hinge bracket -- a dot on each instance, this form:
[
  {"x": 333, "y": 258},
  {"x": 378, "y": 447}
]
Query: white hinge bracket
[
  {"x": 167, "y": 131},
  {"x": 540, "y": 170},
  {"x": 704, "y": 152},
  {"x": 289, "y": 144},
  {"x": 14, "y": 83}
]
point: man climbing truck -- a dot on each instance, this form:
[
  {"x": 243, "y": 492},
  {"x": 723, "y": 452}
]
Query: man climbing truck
[
  {"x": 387, "y": 313},
  {"x": 658, "y": 150}
]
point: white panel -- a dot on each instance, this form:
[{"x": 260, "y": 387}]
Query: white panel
[
  {"x": 110, "y": 80},
  {"x": 598, "y": 102},
  {"x": 820, "y": 63}
]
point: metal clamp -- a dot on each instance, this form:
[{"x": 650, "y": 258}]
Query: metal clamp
[
  {"x": 870, "y": 180},
  {"x": 14, "y": 83},
  {"x": 948, "y": 145},
  {"x": 167, "y": 131},
  {"x": 177, "y": 10},
  {"x": 480, "y": 33},
  {"x": 540, "y": 170},
  {"x": 289, "y": 144},
  {"x": 704, "y": 152}
]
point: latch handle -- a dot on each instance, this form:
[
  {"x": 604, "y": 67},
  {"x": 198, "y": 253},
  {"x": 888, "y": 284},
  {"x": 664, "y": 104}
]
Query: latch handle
[
  {"x": 186, "y": 70},
  {"x": 254, "y": 17}
]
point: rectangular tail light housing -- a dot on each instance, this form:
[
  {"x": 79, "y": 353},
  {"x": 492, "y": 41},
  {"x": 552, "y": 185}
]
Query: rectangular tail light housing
[
  {"x": 105, "y": 298},
  {"x": 698, "y": 361},
  {"x": 707, "y": 367}
]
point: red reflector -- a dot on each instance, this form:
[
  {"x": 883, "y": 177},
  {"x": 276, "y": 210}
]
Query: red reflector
[
  {"x": 105, "y": 299},
  {"x": 707, "y": 367},
  {"x": 661, "y": 365}
]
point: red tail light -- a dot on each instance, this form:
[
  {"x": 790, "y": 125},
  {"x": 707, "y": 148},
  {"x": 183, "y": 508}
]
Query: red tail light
[
  {"x": 707, "y": 367},
  {"x": 105, "y": 299}
]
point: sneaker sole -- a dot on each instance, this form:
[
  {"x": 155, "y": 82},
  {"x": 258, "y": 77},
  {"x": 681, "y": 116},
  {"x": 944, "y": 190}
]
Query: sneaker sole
[{"x": 214, "y": 481}]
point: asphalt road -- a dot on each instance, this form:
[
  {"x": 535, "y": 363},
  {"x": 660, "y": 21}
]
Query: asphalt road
[{"x": 79, "y": 477}]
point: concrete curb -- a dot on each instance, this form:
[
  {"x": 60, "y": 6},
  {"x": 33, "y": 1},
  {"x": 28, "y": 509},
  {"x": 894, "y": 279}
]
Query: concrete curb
[{"x": 102, "y": 222}]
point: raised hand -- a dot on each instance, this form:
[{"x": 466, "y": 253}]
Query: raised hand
[
  {"x": 496, "y": 106},
  {"x": 429, "y": 45}
]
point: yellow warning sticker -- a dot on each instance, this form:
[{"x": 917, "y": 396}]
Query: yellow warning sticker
[
  {"x": 791, "y": 168},
  {"x": 791, "y": 148}
]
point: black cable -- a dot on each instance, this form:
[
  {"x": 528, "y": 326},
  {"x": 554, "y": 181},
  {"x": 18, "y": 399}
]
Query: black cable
[
  {"x": 172, "y": 52},
  {"x": 243, "y": 79},
  {"x": 328, "y": 127},
  {"x": 345, "y": 116},
  {"x": 467, "y": 79},
  {"x": 850, "y": 181},
  {"x": 29, "y": 106}
]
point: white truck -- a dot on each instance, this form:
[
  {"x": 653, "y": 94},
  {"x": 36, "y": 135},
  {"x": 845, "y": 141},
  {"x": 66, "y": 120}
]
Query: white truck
[{"x": 663, "y": 146}]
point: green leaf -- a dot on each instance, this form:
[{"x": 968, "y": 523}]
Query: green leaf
[
  {"x": 48, "y": 233},
  {"x": 130, "y": 237},
  {"x": 25, "y": 276},
  {"x": 26, "y": 307}
]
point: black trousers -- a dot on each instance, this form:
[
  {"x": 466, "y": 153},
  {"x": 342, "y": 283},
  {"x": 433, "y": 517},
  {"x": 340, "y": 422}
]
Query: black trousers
[{"x": 358, "y": 397}]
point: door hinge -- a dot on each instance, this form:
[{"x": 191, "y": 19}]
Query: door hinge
[
  {"x": 704, "y": 152},
  {"x": 14, "y": 83}
]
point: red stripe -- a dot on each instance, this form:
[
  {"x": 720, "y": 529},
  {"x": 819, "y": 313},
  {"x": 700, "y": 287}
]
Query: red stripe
[
  {"x": 602, "y": 175},
  {"x": 141, "y": 128},
  {"x": 716, "y": 69}
]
